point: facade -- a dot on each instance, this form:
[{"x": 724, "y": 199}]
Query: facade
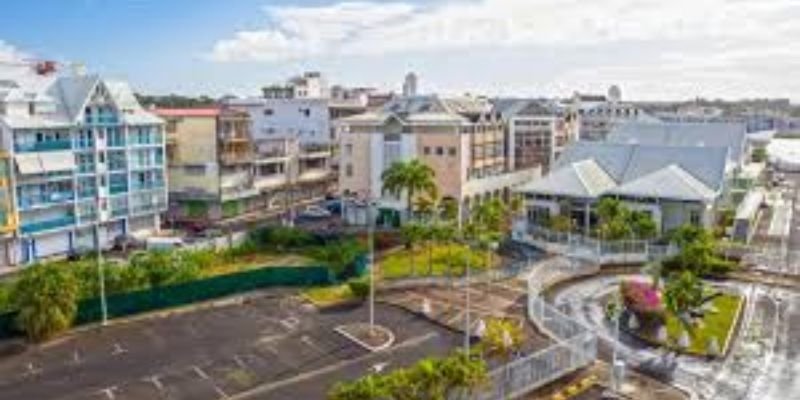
[
  {"x": 537, "y": 131},
  {"x": 88, "y": 165},
  {"x": 310, "y": 85},
  {"x": 598, "y": 115},
  {"x": 674, "y": 185},
  {"x": 462, "y": 139}
]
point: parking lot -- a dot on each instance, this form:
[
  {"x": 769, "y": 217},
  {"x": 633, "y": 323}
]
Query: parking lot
[{"x": 274, "y": 347}]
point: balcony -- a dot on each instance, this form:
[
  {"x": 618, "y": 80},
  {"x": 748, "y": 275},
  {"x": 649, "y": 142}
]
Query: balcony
[
  {"x": 118, "y": 188},
  {"x": 119, "y": 212},
  {"x": 315, "y": 151},
  {"x": 146, "y": 186},
  {"x": 231, "y": 157},
  {"x": 312, "y": 175},
  {"x": 49, "y": 145},
  {"x": 101, "y": 119},
  {"x": 27, "y": 202},
  {"x": 47, "y": 225}
]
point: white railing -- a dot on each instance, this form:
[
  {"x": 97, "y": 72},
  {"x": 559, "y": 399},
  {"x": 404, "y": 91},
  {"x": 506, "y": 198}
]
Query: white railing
[
  {"x": 574, "y": 345},
  {"x": 588, "y": 248}
]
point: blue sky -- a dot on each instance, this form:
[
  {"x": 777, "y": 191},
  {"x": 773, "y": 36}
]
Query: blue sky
[{"x": 653, "y": 49}]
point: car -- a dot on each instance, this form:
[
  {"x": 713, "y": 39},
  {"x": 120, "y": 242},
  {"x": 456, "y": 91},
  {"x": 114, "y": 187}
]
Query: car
[{"x": 314, "y": 212}]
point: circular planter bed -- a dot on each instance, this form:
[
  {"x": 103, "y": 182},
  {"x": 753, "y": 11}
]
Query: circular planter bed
[{"x": 375, "y": 338}]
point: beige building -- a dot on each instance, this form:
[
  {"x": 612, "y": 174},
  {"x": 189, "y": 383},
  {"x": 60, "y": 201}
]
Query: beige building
[
  {"x": 219, "y": 174},
  {"x": 462, "y": 139}
]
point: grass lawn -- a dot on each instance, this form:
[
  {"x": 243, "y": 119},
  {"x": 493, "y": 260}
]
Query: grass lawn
[
  {"x": 258, "y": 260},
  {"x": 715, "y": 324},
  {"x": 323, "y": 296},
  {"x": 446, "y": 259}
]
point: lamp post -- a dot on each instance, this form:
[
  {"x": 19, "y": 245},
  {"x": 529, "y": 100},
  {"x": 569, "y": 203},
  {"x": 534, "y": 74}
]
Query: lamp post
[
  {"x": 371, "y": 240},
  {"x": 101, "y": 275},
  {"x": 466, "y": 312}
]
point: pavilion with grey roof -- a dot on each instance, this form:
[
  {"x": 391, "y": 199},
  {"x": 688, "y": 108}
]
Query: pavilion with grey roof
[{"x": 674, "y": 184}]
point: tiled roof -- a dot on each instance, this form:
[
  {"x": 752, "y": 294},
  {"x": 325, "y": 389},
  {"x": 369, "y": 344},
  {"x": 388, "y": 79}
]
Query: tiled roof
[
  {"x": 672, "y": 182},
  {"x": 584, "y": 179}
]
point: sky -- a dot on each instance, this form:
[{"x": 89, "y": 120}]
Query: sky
[{"x": 652, "y": 49}]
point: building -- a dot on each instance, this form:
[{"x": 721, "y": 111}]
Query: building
[
  {"x": 410, "y": 85},
  {"x": 310, "y": 85},
  {"x": 210, "y": 154},
  {"x": 462, "y": 139},
  {"x": 731, "y": 136},
  {"x": 88, "y": 165},
  {"x": 674, "y": 185},
  {"x": 599, "y": 114},
  {"x": 537, "y": 131}
]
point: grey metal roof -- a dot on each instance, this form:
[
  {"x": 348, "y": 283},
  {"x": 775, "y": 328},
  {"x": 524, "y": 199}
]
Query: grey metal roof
[
  {"x": 682, "y": 173},
  {"x": 671, "y": 182},
  {"x": 584, "y": 179},
  {"x": 729, "y": 135}
]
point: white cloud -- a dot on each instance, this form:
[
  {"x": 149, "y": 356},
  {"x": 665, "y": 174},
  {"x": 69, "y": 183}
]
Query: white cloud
[
  {"x": 371, "y": 28},
  {"x": 652, "y": 47}
]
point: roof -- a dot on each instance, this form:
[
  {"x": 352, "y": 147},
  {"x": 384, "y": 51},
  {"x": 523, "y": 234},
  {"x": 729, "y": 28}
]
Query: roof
[
  {"x": 512, "y": 107},
  {"x": 671, "y": 182},
  {"x": 429, "y": 109},
  {"x": 585, "y": 179},
  {"x": 729, "y": 135},
  {"x": 679, "y": 173},
  {"x": 187, "y": 112}
]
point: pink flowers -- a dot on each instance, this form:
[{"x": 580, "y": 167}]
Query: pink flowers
[{"x": 641, "y": 297}]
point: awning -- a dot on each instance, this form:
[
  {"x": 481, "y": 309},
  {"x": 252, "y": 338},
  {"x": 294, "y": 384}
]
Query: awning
[
  {"x": 29, "y": 163},
  {"x": 55, "y": 161}
]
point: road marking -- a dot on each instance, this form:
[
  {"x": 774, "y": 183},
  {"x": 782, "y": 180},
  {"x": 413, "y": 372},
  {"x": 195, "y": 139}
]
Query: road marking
[
  {"x": 221, "y": 392},
  {"x": 118, "y": 349},
  {"x": 76, "y": 357},
  {"x": 202, "y": 374},
  {"x": 32, "y": 370},
  {"x": 156, "y": 382},
  {"x": 238, "y": 360},
  {"x": 290, "y": 323},
  {"x": 109, "y": 392},
  {"x": 310, "y": 343},
  {"x": 260, "y": 390}
]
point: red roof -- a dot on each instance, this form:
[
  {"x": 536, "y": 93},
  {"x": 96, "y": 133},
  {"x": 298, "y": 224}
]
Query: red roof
[{"x": 187, "y": 112}]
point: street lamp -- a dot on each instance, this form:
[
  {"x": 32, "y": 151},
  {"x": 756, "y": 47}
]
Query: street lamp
[{"x": 101, "y": 275}]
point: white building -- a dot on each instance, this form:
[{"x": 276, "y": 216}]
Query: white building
[
  {"x": 599, "y": 114},
  {"x": 88, "y": 164}
]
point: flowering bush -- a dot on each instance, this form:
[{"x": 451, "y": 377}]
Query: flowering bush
[{"x": 643, "y": 300}]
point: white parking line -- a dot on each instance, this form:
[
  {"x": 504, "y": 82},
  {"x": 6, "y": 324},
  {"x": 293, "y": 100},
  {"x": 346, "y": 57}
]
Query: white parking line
[
  {"x": 118, "y": 349},
  {"x": 156, "y": 382},
  {"x": 238, "y": 360},
  {"x": 109, "y": 392},
  {"x": 32, "y": 369},
  {"x": 221, "y": 392},
  {"x": 76, "y": 357},
  {"x": 202, "y": 374},
  {"x": 310, "y": 343}
]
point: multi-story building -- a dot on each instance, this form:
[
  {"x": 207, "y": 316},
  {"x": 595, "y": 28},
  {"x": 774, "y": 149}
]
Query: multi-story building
[
  {"x": 462, "y": 139},
  {"x": 310, "y": 85},
  {"x": 211, "y": 165},
  {"x": 538, "y": 131},
  {"x": 598, "y": 114},
  {"x": 89, "y": 165}
]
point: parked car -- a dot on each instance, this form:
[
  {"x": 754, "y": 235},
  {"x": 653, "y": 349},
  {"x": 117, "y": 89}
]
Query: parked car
[{"x": 315, "y": 212}]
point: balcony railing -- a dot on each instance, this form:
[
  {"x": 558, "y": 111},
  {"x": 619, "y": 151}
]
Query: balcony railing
[
  {"x": 46, "y": 225},
  {"x": 119, "y": 188},
  {"x": 48, "y": 145},
  {"x": 236, "y": 157},
  {"x": 119, "y": 212},
  {"x": 27, "y": 202},
  {"x": 101, "y": 119},
  {"x": 147, "y": 186}
]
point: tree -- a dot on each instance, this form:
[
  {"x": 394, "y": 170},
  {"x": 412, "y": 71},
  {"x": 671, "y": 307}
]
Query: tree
[
  {"x": 613, "y": 220},
  {"x": 561, "y": 223},
  {"x": 46, "y": 297},
  {"x": 448, "y": 209},
  {"x": 411, "y": 177},
  {"x": 502, "y": 338},
  {"x": 412, "y": 233},
  {"x": 642, "y": 225},
  {"x": 759, "y": 154},
  {"x": 683, "y": 293},
  {"x": 698, "y": 253},
  {"x": 463, "y": 372},
  {"x": 339, "y": 255}
]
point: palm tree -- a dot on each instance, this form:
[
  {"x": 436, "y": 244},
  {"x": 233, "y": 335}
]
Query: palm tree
[
  {"x": 683, "y": 293},
  {"x": 47, "y": 299},
  {"x": 411, "y": 177}
]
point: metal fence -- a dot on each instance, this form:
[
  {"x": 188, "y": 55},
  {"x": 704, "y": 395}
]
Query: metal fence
[
  {"x": 574, "y": 345},
  {"x": 589, "y": 248}
]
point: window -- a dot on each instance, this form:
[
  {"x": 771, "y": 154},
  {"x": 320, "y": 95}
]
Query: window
[
  {"x": 348, "y": 170},
  {"x": 694, "y": 217},
  {"x": 172, "y": 125},
  {"x": 451, "y": 151},
  {"x": 268, "y": 112},
  {"x": 439, "y": 150},
  {"x": 426, "y": 150},
  {"x": 348, "y": 149},
  {"x": 101, "y": 157},
  {"x": 195, "y": 170}
]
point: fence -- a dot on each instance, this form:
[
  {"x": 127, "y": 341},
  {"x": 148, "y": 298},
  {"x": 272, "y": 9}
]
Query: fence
[
  {"x": 574, "y": 347},
  {"x": 125, "y": 304},
  {"x": 588, "y": 248}
]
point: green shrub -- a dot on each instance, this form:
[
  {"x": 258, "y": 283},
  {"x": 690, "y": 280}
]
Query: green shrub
[
  {"x": 360, "y": 287},
  {"x": 46, "y": 297}
]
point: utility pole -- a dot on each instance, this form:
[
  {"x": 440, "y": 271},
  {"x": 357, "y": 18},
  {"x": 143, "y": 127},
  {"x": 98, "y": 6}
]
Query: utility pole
[
  {"x": 371, "y": 240},
  {"x": 101, "y": 275}
]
